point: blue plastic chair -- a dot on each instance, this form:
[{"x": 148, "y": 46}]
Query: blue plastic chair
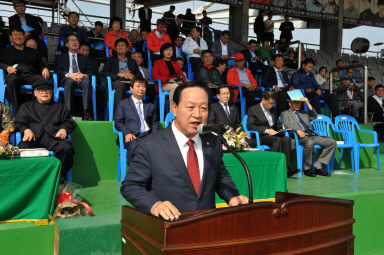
[
  {"x": 322, "y": 126},
  {"x": 51, "y": 153},
  {"x": 107, "y": 51},
  {"x": 189, "y": 68},
  {"x": 169, "y": 119},
  {"x": 348, "y": 124},
  {"x": 77, "y": 92},
  {"x": 122, "y": 161},
  {"x": 111, "y": 98},
  {"x": 241, "y": 99},
  {"x": 258, "y": 145}
]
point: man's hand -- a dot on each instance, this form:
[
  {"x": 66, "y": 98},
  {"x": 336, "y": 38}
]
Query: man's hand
[
  {"x": 197, "y": 51},
  {"x": 45, "y": 73},
  {"x": 277, "y": 89},
  {"x": 209, "y": 85},
  {"x": 308, "y": 90},
  {"x": 11, "y": 70},
  {"x": 62, "y": 133},
  {"x": 29, "y": 135},
  {"x": 122, "y": 74},
  {"x": 225, "y": 57},
  {"x": 359, "y": 101},
  {"x": 128, "y": 75},
  {"x": 239, "y": 200},
  {"x": 166, "y": 210},
  {"x": 318, "y": 91},
  {"x": 250, "y": 87},
  {"x": 271, "y": 131},
  {"x": 75, "y": 76},
  {"x": 300, "y": 133},
  {"x": 129, "y": 137}
]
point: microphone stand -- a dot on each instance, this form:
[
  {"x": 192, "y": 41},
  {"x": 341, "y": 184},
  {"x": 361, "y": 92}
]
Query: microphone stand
[{"x": 250, "y": 189}]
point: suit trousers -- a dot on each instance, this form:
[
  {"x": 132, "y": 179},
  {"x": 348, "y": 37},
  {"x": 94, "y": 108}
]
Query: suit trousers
[
  {"x": 250, "y": 96},
  {"x": 195, "y": 64},
  {"x": 84, "y": 85},
  {"x": 328, "y": 144},
  {"x": 278, "y": 144},
  {"x": 14, "y": 82},
  {"x": 120, "y": 91},
  {"x": 329, "y": 99},
  {"x": 62, "y": 148},
  {"x": 131, "y": 146}
]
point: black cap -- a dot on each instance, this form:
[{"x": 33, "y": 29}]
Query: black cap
[{"x": 42, "y": 84}]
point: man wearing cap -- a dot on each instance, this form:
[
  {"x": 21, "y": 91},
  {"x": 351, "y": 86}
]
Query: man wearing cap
[
  {"x": 156, "y": 39},
  {"x": 46, "y": 124},
  {"x": 239, "y": 75},
  {"x": 298, "y": 120}
]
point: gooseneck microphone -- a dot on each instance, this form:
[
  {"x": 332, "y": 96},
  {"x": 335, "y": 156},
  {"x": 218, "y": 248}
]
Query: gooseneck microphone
[{"x": 209, "y": 128}]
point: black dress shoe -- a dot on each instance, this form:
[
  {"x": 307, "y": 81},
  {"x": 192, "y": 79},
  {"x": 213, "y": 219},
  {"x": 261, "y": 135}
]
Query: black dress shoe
[
  {"x": 309, "y": 173},
  {"x": 291, "y": 171},
  {"x": 321, "y": 172}
]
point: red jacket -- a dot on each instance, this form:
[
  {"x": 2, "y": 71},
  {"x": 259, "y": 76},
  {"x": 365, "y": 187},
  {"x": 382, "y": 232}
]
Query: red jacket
[
  {"x": 154, "y": 43},
  {"x": 110, "y": 39},
  {"x": 161, "y": 72},
  {"x": 233, "y": 80}
]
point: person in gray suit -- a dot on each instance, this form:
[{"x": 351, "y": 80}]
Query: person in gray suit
[
  {"x": 223, "y": 48},
  {"x": 298, "y": 120}
]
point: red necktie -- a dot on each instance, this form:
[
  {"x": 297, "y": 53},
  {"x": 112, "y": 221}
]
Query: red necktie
[{"x": 193, "y": 166}]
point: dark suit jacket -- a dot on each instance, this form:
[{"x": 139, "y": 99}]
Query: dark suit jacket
[
  {"x": 257, "y": 120},
  {"x": 270, "y": 77},
  {"x": 205, "y": 75},
  {"x": 157, "y": 172},
  {"x": 145, "y": 23},
  {"x": 83, "y": 62},
  {"x": 111, "y": 68},
  {"x": 374, "y": 107},
  {"x": 248, "y": 55},
  {"x": 127, "y": 119},
  {"x": 217, "y": 51},
  {"x": 217, "y": 115},
  {"x": 14, "y": 22},
  {"x": 32, "y": 58}
]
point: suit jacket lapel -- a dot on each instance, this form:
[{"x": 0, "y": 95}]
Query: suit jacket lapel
[
  {"x": 207, "y": 164},
  {"x": 262, "y": 115},
  {"x": 221, "y": 109},
  {"x": 134, "y": 108}
]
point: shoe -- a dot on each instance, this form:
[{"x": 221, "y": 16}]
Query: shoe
[
  {"x": 321, "y": 172},
  {"x": 86, "y": 116},
  {"x": 309, "y": 173},
  {"x": 291, "y": 171}
]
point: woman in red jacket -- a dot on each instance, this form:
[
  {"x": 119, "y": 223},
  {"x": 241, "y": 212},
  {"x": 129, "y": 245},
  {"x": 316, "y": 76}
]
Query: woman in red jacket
[
  {"x": 168, "y": 71},
  {"x": 115, "y": 33}
]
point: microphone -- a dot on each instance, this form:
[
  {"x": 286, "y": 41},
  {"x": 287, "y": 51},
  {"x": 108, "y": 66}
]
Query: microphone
[{"x": 209, "y": 128}]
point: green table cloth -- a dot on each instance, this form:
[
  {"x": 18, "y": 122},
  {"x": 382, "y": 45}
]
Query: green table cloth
[
  {"x": 268, "y": 173},
  {"x": 28, "y": 187}
]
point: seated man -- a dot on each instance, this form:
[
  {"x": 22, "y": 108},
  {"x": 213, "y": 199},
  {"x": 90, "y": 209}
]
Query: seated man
[
  {"x": 304, "y": 79},
  {"x": 371, "y": 86},
  {"x": 221, "y": 67},
  {"x": 21, "y": 19},
  {"x": 72, "y": 29},
  {"x": 134, "y": 117},
  {"x": 298, "y": 120},
  {"x": 193, "y": 46},
  {"x": 96, "y": 33},
  {"x": 122, "y": 69},
  {"x": 74, "y": 71},
  {"x": 264, "y": 119},
  {"x": 180, "y": 62},
  {"x": 134, "y": 38},
  {"x": 156, "y": 39},
  {"x": 151, "y": 86},
  {"x": 207, "y": 74},
  {"x": 46, "y": 124},
  {"x": 376, "y": 106},
  {"x": 277, "y": 79},
  {"x": 239, "y": 75},
  {"x": 291, "y": 60},
  {"x": 23, "y": 65},
  {"x": 178, "y": 42},
  {"x": 173, "y": 170},
  {"x": 349, "y": 98},
  {"x": 142, "y": 46},
  {"x": 223, "y": 113},
  {"x": 6, "y": 119},
  {"x": 251, "y": 56},
  {"x": 223, "y": 48}
]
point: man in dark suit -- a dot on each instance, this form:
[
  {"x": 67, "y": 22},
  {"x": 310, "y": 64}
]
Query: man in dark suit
[
  {"x": 145, "y": 16},
  {"x": 121, "y": 69},
  {"x": 174, "y": 27},
  {"x": 299, "y": 121},
  {"x": 252, "y": 57},
  {"x": 223, "y": 48},
  {"x": 75, "y": 70},
  {"x": 22, "y": 64},
  {"x": 207, "y": 74},
  {"x": 21, "y": 18},
  {"x": 176, "y": 169},
  {"x": 277, "y": 79},
  {"x": 376, "y": 106},
  {"x": 134, "y": 117},
  {"x": 221, "y": 112},
  {"x": 286, "y": 29},
  {"x": 263, "y": 119}
]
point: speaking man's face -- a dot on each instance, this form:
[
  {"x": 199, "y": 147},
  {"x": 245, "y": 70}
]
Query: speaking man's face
[{"x": 191, "y": 111}]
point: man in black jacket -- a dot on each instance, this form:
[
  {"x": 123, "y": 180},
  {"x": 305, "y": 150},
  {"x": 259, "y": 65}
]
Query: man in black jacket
[
  {"x": 277, "y": 79},
  {"x": 174, "y": 27},
  {"x": 376, "y": 106},
  {"x": 121, "y": 69},
  {"x": 252, "y": 57},
  {"x": 286, "y": 29},
  {"x": 23, "y": 19},
  {"x": 207, "y": 74},
  {"x": 263, "y": 119},
  {"x": 75, "y": 71},
  {"x": 46, "y": 124},
  {"x": 259, "y": 27},
  {"x": 22, "y": 64},
  {"x": 145, "y": 16}
]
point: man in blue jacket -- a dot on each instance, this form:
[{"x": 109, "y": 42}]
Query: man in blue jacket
[{"x": 304, "y": 79}]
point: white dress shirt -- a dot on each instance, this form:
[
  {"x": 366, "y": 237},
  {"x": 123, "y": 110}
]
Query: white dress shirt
[
  {"x": 182, "y": 140},
  {"x": 378, "y": 99},
  {"x": 135, "y": 101},
  {"x": 280, "y": 83},
  {"x": 224, "y": 49},
  {"x": 268, "y": 115},
  {"x": 268, "y": 23},
  {"x": 146, "y": 12},
  {"x": 190, "y": 44},
  {"x": 229, "y": 110}
]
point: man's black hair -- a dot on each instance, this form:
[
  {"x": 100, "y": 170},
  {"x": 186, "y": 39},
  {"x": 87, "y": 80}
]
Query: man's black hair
[
  {"x": 180, "y": 88},
  {"x": 205, "y": 52},
  {"x": 279, "y": 56},
  {"x": 17, "y": 29},
  {"x": 85, "y": 44},
  {"x": 198, "y": 29},
  {"x": 252, "y": 41},
  {"x": 268, "y": 94},
  {"x": 122, "y": 40},
  {"x": 379, "y": 86},
  {"x": 139, "y": 80},
  {"x": 225, "y": 32},
  {"x": 77, "y": 14},
  {"x": 66, "y": 40},
  {"x": 98, "y": 23},
  {"x": 337, "y": 61},
  {"x": 308, "y": 61},
  {"x": 220, "y": 62},
  {"x": 219, "y": 88},
  {"x": 370, "y": 78}
]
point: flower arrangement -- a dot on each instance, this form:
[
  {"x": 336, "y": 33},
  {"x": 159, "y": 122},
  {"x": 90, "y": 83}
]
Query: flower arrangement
[
  {"x": 7, "y": 151},
  {"x": 236, "y": 139}
]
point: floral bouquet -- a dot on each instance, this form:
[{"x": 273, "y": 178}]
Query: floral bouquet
[
  {"x": 7, "y": 151},
  {"x": 236, "y": 139}
]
